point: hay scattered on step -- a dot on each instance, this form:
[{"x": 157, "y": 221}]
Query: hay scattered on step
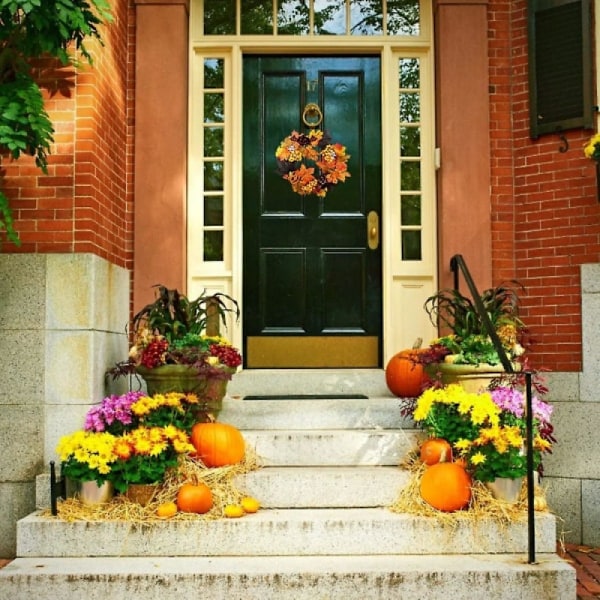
[
  {"x": 483, "y": 505},
  {"x": 120, "y": 508}
]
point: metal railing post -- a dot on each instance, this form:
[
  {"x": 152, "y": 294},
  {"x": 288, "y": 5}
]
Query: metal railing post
[{"x": 457, "y": 263}]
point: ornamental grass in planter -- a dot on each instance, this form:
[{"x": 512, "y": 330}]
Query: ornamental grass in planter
[
  {"x": 469, "y": 342},
  {"x": 177, "y": 346}
]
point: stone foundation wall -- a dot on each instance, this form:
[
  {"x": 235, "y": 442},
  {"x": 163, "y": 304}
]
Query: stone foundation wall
[
  {"x": 573, "y": 470},
  {"x": 62, "y": 324}
]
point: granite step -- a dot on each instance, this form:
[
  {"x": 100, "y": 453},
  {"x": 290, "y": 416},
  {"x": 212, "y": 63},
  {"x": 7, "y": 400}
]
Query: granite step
[
  {"x": 379, "y": 577},
  {"x": 329, "y": 474},
  {"x": 281, "y": 532}
]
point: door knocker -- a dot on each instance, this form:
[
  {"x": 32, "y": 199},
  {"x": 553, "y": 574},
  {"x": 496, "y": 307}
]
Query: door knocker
[{"x": 312, "y": 111}]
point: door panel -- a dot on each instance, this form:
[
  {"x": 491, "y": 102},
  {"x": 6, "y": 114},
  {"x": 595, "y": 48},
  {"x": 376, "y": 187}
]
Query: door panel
[{"x": 309, "y": 273}]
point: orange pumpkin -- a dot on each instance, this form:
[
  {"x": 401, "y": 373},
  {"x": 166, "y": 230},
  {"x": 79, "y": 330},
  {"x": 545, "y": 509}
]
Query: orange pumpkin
[
  {"x": 446, "y": 486},
  {"x": 194, "y": 498},
  {"x": 435, "y": 450},
  {"x": 218, "y": 444},
  {"x": 404, "y": 375}
]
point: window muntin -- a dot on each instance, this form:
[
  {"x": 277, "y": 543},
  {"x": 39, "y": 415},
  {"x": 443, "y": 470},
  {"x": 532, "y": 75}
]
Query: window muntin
[
  {"x": 213, "y": 158},
  {"x": 312, "y": 17},
  {"x": 409, "y": 102}
]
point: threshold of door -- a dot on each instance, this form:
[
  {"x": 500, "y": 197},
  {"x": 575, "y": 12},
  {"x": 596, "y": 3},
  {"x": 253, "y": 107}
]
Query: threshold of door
[{"x": 308, "y": 397}]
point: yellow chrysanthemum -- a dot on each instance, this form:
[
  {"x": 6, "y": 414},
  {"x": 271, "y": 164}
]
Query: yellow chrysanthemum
[
  {"x": 463, "y": 445},
  {"x": 478, "y": 458}
]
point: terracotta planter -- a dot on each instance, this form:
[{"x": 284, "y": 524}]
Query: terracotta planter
[
  {"x": 180, "y": 378},
  {"x": 172, "y": 378},
  {"x": 142, "y": 493},
  {"x": 473, "y": 378}
]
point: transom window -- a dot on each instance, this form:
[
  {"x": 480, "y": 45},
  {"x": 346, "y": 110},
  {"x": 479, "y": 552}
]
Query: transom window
[{"x": 311, "y": 17}]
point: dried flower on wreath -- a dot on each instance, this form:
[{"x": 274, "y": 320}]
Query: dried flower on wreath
[{"x": 311, "y": 162}]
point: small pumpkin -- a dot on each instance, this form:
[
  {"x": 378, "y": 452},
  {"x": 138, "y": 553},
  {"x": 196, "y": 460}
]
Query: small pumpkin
[
  {"x": 435, "y": 450},
  {"x": 218, "y": 444},
  {"x": 446, "y": 486},
  {"x": 166, "y": 510},
  {"x": 404, "y": 375},
  {"x": 233, "y": 511},
  {"x": 250, "y": 504},
  {"x": 194, "y": 498}
]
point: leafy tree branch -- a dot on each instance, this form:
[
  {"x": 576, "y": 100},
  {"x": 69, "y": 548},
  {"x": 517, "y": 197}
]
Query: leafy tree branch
[{"x": 31, "y": 29}]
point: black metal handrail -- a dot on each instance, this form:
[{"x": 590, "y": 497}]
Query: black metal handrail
[{"x": 457, "y": 262}]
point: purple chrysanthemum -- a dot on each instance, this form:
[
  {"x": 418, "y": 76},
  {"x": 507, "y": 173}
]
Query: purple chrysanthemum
[
  {"x": 112, "y": 410},
  {"x": 513, "y": 401}
]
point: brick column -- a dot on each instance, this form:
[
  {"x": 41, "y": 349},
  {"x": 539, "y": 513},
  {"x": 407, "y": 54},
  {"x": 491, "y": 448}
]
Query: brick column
[
  {"x": 462, "y": 101},
  {"x": 161, "y": 99}
]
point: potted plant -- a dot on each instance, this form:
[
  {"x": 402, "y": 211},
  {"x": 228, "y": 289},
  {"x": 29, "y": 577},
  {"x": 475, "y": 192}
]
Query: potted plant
[
  {"x": 130, "y": 440},
  {"x": 487, "y": 430},
  {"x": 177, "y": 346},
  {"x": 468, "y": 348},
  {"x": 86, "y": 461},
  {"x": 144, "y": 455}
]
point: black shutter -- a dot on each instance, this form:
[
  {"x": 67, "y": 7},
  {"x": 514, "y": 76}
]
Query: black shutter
[{"x": 560, "y": 66}]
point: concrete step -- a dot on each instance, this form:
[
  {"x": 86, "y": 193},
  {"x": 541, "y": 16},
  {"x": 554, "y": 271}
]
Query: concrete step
[
  {"x": 372, "y": 413},
  {"x": 381, "y": 577},
  {"x": 280, "y": 532},
  {"x": 324, "y": 487},
  {"x": 265, "y": 382},
  {"x": 331, "y": 447}
]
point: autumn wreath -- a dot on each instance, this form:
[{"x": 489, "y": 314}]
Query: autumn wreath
[{"x": 311, "y": 162}]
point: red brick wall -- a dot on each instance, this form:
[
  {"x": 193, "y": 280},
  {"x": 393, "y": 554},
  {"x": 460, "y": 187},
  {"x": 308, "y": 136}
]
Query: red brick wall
[
  {"x": 546, "y": 215},
  {"x": 84, "y": 203}
]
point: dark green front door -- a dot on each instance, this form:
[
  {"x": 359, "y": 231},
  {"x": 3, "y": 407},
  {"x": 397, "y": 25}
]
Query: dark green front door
[{"x": 312, "y": 266}]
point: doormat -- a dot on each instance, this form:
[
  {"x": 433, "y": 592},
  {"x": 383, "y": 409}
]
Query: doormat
[{"x": 308, "y": 397}]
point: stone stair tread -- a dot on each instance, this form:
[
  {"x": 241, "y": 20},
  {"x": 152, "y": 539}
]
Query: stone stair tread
[
  {"x": 324, "y": 531},
  {"x": 308, "y": 447},
  {"x": 373, "y": 413},
  {"x": 324, "y": 486},
  {"x": 494, "y": 577}
]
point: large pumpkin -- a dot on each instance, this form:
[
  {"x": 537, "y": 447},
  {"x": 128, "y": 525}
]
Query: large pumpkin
[
  {"x": 446, "y": 486},
  {"x": 194, "y": 498},
  {"x": 218, "y": 444},
  {"x": 435, "y": 450},
  {"x": 404, "y": 374}
]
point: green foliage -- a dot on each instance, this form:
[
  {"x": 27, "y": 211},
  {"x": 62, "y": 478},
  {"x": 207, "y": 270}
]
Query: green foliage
[
  {"x": 31, "y": 29},
  {"x": 142, "y": 469},
  {"x": 452, "y": 309},
  {"x": 24, "y": 124},
  {"x": 174, "y": 316}
]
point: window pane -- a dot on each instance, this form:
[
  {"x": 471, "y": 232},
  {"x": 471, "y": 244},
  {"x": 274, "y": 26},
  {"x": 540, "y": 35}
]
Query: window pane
[
  {"x": 410, "y": 141},
  {"x": 408, "y": 73},
  {"x": 219, "y": 17},
  {"x": 410, "y": 176},
  {"x": 410, "y": 109},
  {"x": 257, "y": 17},
  {"x": 403, "y": 17},
  {"x": 213, "y": 176},
  {"x": 213, "y": 210},
  {"x": 213, "y": 73},
  {"x": 366, "y": 17},
  {"x": 410, "y": 210},
  {"x": 293, "y": 17},
  {"x": 214, "y": 110},
  {"x": 213, "y": 141},
  {"x": 330, "y": 17},
  {"x": 411, "y": 245},
  {"x": 213, "y": 245}
]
